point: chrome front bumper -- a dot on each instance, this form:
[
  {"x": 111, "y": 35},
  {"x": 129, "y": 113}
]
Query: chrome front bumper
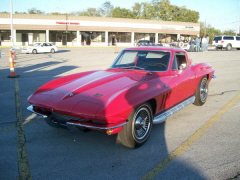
[{"x": 79, "y": 123}]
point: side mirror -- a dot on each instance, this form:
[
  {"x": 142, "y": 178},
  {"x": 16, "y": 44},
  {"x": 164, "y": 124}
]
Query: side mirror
[{"x": 182, "y": 66}]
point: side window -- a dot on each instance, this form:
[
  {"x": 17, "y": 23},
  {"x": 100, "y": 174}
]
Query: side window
[
  {"x": 238, "y": 38},
  {"x": 174, "y": 65},
  {"x": 179, "y": 62},
  {"x": 228, "y": 38}
]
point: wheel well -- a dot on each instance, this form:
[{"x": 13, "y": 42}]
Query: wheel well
[{"x": 153, "y": 104}]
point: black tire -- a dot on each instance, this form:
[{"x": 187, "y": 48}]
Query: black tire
[
  {"x": 136, "y": 132},
  {"x": 51, "y": 123},
  {"x": 228, "y": 47},
  {"x": 34, "y": 51},
  {"x": 238, "y": 48},
  {"x": 201, "y": 92},
  {"x": 52, "y": 50}
]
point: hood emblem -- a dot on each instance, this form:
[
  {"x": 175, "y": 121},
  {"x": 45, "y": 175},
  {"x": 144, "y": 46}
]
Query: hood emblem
[{"x": 98, "y": 95}]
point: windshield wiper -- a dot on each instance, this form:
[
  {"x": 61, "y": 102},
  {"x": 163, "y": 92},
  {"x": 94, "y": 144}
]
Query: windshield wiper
[
  {"x": 134, "y": 67},
  {"x": 131, "y": 67}
]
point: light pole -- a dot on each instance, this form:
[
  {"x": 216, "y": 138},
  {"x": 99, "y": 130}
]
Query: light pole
[{"x": 12, "y": 37}]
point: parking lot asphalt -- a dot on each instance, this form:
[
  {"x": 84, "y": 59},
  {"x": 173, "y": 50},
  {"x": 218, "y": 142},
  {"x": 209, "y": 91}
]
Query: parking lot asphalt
[{"x": 195, "y": 143}]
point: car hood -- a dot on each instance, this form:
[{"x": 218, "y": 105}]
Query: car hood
[{"x": 89, "y": 93}]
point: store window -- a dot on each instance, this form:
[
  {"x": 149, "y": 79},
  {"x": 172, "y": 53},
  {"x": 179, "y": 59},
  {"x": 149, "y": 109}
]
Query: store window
[
  {"x": 98, "y": 36},
  {"x": 30, "y": 36},
  {"x": 119, "y": 37},
  {"x": 89, "y": 36},
  {"x": 144, "y": 36},
  {"x": 59, "y": 36},
  {"x": 5, "y": 35}
]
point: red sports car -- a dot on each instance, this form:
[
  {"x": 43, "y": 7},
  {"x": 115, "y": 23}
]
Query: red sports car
[{"x": 143, "y": 86}]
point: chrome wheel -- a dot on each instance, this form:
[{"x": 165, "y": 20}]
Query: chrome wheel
[
  {"x": 204, "y": 89},
  {"x": 201, "y": 92},
  {"x": 142, "y": 123},
  {"x": 136, "y": 132}
]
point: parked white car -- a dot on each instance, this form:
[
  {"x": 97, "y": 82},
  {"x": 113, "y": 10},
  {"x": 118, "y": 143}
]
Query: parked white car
[
  {"x": 226, "y": 42},
  {"x": 40, "y": 48}
]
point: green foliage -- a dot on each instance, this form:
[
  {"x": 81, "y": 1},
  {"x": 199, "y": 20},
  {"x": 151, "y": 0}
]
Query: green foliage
[
  {"x": 56, "y": 13},
  {"x": 90, "y": 12},
  {"x": 229, "y": 32},
  {"x": 212, "y": 32},
  {"x": 122, "y": 13},
  {"x": 16, "y": 12},
  {"x": 106, "y": 9},
  {"x": 35, "y": 11}
]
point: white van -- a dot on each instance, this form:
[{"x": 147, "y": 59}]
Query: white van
[{"x": 226, "y": 42}]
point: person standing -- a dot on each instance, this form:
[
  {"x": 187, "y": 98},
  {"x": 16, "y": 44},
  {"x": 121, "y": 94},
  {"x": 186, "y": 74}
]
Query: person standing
[
  {"x": 198, "y": 41},
  {"x": 192, "y": 44},
  {"x": 204, "y": 43},
  {"x": 207, "y": 39}
]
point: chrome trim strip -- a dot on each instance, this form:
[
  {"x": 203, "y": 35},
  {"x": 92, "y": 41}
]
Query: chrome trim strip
[
  {"x": 163, "y": 117},
  {"x": 30, "y": 108},
  {"x": 94, "y": 127}
]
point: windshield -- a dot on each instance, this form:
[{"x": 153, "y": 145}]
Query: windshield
[
  {"x": 37, "y": 44},
  {"x": 142, "y": 60}
]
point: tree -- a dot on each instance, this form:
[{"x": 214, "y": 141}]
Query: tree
[
  {"x": 16, "y": 12},
  {"x": 210, "y": 31},
  {"x": 55, "y": 13},
  {"x": 35, "y": 11},
  {"x": 185, "y": 15},
  {"x": 90, "y": 12},
  {"x": 163, "y": 10},
  {"x": 106, "y": 9},
  {"x": 122, "y": 13},
  {"x": 229, "y": 32}
]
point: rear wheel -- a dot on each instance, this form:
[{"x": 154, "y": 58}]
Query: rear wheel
[
  {"x": 228, "y": 47},
  {"x": 202, "y": 92},
  {"x": 136, "y": 132},
  {"x": 52, "y": 50}
]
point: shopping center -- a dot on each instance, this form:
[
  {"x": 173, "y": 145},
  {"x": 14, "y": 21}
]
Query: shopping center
[{"x": 65, "y": 30}]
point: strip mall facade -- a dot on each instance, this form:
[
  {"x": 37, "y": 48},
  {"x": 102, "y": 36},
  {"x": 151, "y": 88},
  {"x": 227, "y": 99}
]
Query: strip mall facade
[{"x": 64, "y": 30}]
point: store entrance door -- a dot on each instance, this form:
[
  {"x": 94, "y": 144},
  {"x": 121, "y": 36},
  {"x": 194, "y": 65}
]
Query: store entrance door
[{"x": 64, "y": 40}]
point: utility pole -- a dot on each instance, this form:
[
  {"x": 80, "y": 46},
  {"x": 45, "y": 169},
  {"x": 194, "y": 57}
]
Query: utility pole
[
  {"x": 205, "y": 28},
  {"x": 237, "y": 19}
]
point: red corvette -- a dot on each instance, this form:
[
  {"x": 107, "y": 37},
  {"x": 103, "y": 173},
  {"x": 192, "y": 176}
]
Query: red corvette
[{"x": 144, "y": 86}]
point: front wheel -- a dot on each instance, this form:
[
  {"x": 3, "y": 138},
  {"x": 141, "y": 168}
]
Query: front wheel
[
  {"x": 136, "y": 132},
  {"x": 52, "y": 51},
  {"x": 34, "y": 51},
  {"x": 201, "y": 92}
]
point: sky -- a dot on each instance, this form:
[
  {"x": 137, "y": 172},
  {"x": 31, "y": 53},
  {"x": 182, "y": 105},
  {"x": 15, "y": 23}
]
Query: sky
[{"x": 219, "y": 14}]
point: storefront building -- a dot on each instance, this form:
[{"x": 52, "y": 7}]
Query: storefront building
[{"x": 64, "y": 30}]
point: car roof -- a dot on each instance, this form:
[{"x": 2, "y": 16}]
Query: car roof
[{"x": 156, "y": 48}]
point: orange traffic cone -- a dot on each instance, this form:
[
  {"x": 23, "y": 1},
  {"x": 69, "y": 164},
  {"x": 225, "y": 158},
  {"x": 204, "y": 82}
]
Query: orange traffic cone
[{"x": 11, "y": 63}]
